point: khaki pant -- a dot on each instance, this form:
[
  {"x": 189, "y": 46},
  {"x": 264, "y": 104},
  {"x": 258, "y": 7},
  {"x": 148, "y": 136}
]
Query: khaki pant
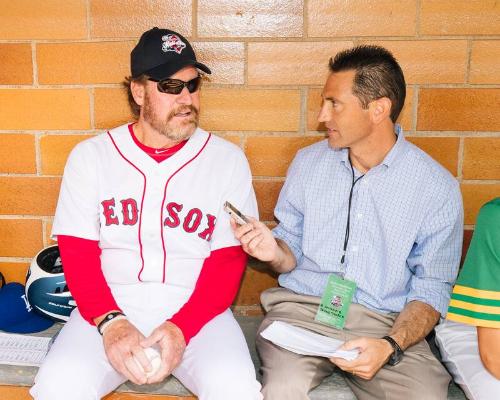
[{"x": 290, "y": 376}]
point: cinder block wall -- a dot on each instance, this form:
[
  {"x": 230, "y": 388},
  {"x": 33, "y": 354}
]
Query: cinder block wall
[{"x": 62, "y": 61}]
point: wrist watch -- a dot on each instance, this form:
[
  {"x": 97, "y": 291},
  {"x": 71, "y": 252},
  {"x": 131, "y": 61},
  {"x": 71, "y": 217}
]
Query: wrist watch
[{"x": 397, "y": 354}]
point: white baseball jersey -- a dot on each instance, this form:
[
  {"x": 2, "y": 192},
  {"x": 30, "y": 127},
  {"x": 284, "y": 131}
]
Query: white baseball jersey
[{"x": 155, "y": 222}]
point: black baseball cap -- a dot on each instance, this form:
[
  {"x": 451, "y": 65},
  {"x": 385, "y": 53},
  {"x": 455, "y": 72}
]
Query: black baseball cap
[{"x": 160, "y": 53}]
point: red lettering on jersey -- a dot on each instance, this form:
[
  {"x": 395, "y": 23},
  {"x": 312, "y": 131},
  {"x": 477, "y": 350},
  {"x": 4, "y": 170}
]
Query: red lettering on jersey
[
  {"x": 192, "y": 227},
  {"x": 129, "y": 211},
  {"x": 191, "y": 222},
  {"x": 109, "y": 212},
  {"x": 173, "y": 209},
  {"x": 207, "y": 233}
]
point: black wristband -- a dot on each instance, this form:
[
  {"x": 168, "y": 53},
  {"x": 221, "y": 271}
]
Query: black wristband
[
  {"x": 109, "y": 317},
  {"x": 398, "y": 352}
]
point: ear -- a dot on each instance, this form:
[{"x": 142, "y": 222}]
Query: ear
[
  {"x": 380, "y": 109},
  {"x": 138, "y": 90}
]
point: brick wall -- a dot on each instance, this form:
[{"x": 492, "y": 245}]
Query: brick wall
[{"x": 62, "y": 61}]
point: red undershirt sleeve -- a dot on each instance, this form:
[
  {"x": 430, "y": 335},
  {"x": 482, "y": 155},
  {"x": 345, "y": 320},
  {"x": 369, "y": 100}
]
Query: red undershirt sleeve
[
  {"x": 82, "y": 269},
  {"x": 214, "y": 292}
]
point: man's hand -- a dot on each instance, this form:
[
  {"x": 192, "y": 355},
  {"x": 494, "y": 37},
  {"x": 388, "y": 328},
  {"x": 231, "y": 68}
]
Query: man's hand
[
  {"x": 122, "y": 343},
  {"x": 258, "y": 241},
  {"x": 373, "y": 355},
  {"x": 172, "y": 345}
]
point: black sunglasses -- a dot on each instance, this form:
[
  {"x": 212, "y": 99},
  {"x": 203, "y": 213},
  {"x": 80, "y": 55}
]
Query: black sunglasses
[{"x": 175, "y": 86}]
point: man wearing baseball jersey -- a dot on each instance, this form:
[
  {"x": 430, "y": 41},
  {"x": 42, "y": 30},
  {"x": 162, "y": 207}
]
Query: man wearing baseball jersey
[
  {"x": 468, "y": 339},
  {"x": 147, "y": 249}
]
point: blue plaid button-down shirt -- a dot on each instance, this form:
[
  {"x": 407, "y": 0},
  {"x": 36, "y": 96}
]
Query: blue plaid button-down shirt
[{"x": 405, "y": 232}]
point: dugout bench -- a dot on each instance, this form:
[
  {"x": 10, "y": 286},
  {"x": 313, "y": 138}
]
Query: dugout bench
[{"x": 15, "y": 381}]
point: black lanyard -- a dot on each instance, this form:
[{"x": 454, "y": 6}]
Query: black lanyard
[{"x": 347, "y": 228}]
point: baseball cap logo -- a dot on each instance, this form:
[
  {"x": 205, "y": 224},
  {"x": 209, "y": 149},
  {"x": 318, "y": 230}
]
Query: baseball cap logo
[
  {"x": 28, "y": 305},
  {"x": 172, "y": 43}
]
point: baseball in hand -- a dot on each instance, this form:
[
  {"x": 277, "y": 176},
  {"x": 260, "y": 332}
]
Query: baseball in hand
[{"x": 155, "y": 360}]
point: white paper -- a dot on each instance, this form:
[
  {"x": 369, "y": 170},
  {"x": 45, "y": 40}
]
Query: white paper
[
  {"x": 23, "y": 349},
  {"x": 305, "y": 342}
]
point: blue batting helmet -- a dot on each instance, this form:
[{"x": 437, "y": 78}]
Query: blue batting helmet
[{"x": 46, "y": 287}]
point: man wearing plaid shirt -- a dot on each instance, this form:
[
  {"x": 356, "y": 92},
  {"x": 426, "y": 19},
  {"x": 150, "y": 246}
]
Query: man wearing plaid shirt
[{"x": 364, "y": 209}]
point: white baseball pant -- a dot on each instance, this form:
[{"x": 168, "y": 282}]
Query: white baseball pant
[
  {"x": 460, "y": 353},
  {"x": 216, "y": 364}
]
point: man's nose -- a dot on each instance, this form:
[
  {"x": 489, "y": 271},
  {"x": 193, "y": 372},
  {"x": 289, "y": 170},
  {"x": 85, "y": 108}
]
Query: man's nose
[
  {"x": 324, "y": 114},
  {"x": 184, "y": 97}
]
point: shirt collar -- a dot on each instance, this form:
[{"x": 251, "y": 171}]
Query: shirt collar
[
  {"x": 396, "y": 151},
  {"x": 344, "y": 156}
]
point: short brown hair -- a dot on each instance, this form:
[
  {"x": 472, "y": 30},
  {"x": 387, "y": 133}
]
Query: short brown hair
[
  {"x": 134, "y": 107},
  {"x": 378, "y": 75}
]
